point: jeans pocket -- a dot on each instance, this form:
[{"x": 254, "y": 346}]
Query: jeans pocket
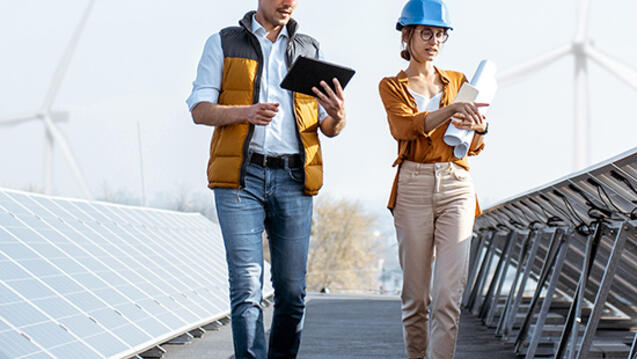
[
  {"x": 460, "y": 173},
  {"x": 405, "y": 177},
  {"x": 296, "y": 174}
]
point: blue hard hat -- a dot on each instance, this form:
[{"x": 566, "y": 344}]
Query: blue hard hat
[{"x": 424, "y": 12}]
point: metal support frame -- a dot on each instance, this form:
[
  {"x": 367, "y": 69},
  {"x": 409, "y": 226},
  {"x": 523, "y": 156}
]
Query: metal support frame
[
  {"x": 474, "y": 259},
  {"x": 571, "y": 325},
  {"x": 491, "y": 298},
  {"x": 484, "y": 268},
  {"x": 562, "y": 250},
  {"x": 604, "y": 288},
  {"x": 547, "y": 264},
  {"x": 518, "y": 272},
  {"x": 633, "y": 348},
  {"x": 589, "y": 260},
  {"x": 507, "y": 263},
  {"x": 513, "y": 310}
]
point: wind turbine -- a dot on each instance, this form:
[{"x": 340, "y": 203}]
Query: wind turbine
[
  {"x": 582, "y": 50},
  {"x": 50, "y": 118}
]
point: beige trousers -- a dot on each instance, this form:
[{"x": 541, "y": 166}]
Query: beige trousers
[{"x": 434, "y": 216}]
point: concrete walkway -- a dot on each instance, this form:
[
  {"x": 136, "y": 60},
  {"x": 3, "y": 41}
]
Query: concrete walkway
[{"x": 351, "y": 327}]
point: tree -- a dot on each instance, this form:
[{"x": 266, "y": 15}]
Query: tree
[{"x": 342, "y": 254}]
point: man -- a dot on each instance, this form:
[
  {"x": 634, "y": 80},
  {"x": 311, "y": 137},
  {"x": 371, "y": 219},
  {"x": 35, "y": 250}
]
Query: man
[{"x": 265, "y": 166}]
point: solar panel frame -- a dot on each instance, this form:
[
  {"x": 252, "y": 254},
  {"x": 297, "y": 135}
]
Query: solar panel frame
[{"x": 576, "y": 203}]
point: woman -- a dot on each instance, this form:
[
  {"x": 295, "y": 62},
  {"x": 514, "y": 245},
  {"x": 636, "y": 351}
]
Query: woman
[{"x": 432, "y": 200}]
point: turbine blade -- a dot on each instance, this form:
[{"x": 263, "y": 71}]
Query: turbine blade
[
  {"x": 68, "y": 153},
  {"x": 582, "y": 125},
  {"x": 18, "y": 119},
  {"x": 620, "y": 70},
  {"x": 48, "y": 162},
  {"x": 63, "y": 66},
  {"x": 511, "y": 75},
  {"x": 583, "y": 7},
  {"x": 60, "y": 116}
]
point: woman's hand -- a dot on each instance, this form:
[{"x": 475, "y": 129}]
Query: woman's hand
[{"x": 467, "y": 116}]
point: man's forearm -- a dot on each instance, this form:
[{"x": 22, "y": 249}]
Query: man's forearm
[
  {"x": 211, "y": 114},
  {"x": 331, "y": 127}
]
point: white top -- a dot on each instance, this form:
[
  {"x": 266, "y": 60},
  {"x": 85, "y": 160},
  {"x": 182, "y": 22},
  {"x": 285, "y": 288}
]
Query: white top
[
  {"x": 424, "y": 103},
  {"x": 279, "y": 137}
]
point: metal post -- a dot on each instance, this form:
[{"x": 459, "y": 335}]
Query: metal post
[
  {"x": 474, "y": 259},
  {"x": 483, "y": 267},
  {"x": 527, "y": 271},
  {"x": 604, "y": 288},
  {"x": 503, "y": 275},
  {"x": 592, "y": 241},
  {"x": 550, "y": 292},
  {"x": 633, "y": 348},
  {"x": 581, "y": 292},
  {"x": 491, "y": 298},
  {"x": 507, "y": 305},
  {"x": 547, "y": 264},
  {"x": 484, "y": 274}
]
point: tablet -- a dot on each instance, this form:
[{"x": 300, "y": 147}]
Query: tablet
[{"x": 307, "y": 73}]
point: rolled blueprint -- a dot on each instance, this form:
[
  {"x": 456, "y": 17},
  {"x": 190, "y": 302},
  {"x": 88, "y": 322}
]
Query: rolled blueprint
[{"x": 482, "y": 88}]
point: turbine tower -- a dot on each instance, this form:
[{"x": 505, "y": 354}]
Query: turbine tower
[
  {"x": 582, "y": 50},
  {"x": 50, "y": 118}
]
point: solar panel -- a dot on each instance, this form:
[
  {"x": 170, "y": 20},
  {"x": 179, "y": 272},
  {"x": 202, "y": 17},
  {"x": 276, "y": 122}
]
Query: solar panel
[
  {"x": 577, "y": 237},
  {"x": 81, "y": 279}
]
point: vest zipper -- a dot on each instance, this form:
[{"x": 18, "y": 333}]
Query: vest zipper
[
  {"x": 289, "y": 57},
  {"x": 257, "y": 88},
  {"x": 298, "y": 136}
]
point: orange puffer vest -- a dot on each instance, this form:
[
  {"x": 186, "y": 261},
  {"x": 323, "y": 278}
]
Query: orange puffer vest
[{"x": 242, "y": 70}]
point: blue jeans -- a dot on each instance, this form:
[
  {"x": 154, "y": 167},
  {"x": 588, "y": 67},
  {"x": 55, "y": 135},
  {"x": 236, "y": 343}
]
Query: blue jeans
[{"x": 273, "y": 200}]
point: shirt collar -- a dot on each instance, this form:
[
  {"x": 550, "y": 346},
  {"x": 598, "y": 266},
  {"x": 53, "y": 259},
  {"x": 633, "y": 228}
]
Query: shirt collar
[
  {"x": 402, "y": 76},
  {"x": 258, "y": 29}
]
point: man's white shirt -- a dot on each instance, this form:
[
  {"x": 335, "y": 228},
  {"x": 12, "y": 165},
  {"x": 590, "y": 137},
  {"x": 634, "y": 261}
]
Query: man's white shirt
[{"x": 279, "y": 137}]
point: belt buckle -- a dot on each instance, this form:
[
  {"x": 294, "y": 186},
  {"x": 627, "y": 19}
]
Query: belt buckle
[{"x": 265, "y": 161}]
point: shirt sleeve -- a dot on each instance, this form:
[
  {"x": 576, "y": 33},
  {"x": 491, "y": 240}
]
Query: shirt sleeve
[
  {"x": 207, "y": 84},
  {"x": 404, "y": 123},
  {"x": 476, "y": 151}
]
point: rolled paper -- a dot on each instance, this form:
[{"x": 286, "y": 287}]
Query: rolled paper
[{"x": 482, "y": 88}]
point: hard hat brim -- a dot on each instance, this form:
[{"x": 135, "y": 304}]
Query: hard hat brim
[{"x": 401, "y": 24}]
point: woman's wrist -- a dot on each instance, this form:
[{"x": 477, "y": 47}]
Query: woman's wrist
[{"x": 485, "y": 131}]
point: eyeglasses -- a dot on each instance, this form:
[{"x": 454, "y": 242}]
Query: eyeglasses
[{"x": 427, "y": 35}]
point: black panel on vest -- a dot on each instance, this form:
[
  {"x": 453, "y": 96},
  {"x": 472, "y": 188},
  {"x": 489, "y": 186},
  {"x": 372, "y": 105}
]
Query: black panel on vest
[
  {"x": 301, "y": 45},
  {"x": 236, "y": 42}
]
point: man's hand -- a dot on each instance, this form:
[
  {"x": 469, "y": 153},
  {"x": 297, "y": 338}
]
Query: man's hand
[
  {"x": 261, "y": 114},
  {"x": 332, "y": 102}
]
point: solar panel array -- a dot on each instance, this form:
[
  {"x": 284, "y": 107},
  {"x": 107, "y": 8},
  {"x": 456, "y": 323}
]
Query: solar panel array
[
  {"x": 81, "y": 279},
  {"x": 577, "y": 239}
]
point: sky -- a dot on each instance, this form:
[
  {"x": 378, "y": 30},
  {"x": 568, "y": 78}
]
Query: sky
[{"x": 136, "y": 61}]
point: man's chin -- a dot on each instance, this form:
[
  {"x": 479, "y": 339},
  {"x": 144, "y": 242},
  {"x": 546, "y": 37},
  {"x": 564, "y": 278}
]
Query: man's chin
[{"x": 282, "y": 21}]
